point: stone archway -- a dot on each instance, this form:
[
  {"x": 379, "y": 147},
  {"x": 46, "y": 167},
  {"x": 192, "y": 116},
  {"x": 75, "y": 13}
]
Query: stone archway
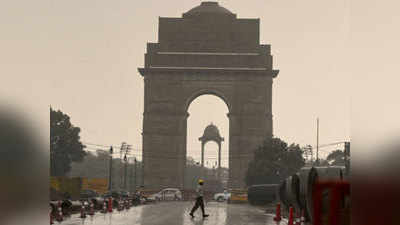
[
  {"x": 207, "y": 51},
  {"x": 211, "y": 133}
]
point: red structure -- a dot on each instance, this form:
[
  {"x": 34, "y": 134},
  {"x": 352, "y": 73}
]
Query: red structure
[
  {"x": 110, "y": 205},
  {"x": 337, "y": 192}
]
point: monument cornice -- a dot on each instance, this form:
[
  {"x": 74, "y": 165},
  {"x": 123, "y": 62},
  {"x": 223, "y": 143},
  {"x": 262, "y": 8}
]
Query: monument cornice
[{"x": 204, "y": 70}]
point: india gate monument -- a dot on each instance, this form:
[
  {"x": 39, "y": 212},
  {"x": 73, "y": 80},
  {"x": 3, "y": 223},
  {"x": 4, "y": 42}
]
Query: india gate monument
[{"x": 209, "y": 50}]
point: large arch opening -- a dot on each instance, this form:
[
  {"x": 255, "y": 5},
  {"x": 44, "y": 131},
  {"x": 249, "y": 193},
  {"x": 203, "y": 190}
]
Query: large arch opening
[{"x": 205, "y": 110}]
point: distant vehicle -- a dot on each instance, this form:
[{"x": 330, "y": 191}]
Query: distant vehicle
[
  {"x": 86, "y": 194},
  {"x": 115, "y": 194},
  {"x": 238, "y": 196},
  {"x": 125, "y": 194},
  {"x": 92, "y": 196},
  {"x": 262, "y": 194},
  {"x": 221, "y": 197},
  {"x": 167, "y": 194}
]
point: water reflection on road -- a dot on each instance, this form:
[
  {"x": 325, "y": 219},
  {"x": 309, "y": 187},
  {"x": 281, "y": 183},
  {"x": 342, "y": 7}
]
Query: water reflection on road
[{"x": 177, "y": 213}]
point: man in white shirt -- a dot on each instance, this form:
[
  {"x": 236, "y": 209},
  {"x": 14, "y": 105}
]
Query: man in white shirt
[{"x": 199, "y": 200}]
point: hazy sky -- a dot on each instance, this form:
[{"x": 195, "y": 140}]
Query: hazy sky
[{"x": 83, "y": 58}]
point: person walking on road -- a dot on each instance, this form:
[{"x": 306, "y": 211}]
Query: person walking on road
[{"x": 199, "y": 200}]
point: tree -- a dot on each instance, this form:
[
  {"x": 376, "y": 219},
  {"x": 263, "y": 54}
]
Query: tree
[
  {"x": 96, "y": 165},
  {"x": 65, "y": 145},
  {"x": 274, "y": 161},
  {"x": 336, "y": 158}
]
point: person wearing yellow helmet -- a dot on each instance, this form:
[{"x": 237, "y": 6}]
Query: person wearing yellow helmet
[{"x": 199, "y": 200}]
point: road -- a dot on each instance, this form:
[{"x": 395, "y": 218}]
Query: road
[{"x": 177, "y": 213}]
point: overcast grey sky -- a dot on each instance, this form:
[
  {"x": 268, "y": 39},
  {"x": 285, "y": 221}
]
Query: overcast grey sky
[{"x": 83, "y": 58}]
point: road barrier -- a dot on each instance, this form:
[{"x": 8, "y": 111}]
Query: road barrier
[
  {"x": 337, "y": 190},
  {"x": 302, "y": 218},
  {"x": 292, "y": 191},
  {"x": 278, "y": 216},
  {"x": 307, "y": 177},
  {"x": 110, "y": 205},
  {"x": 59, "y": 216},
  {"x": 290, "y": 220},
  {"x": 297, "y": 219},
  {"x": 297, "y": 190},
  {"x": 51, "y": 215},
  {"x": 91, "y": 209},
  {"x": 120, "y": 205},
  {"x": 83, "y": 210},
  {"x": 104, "y": 207}
]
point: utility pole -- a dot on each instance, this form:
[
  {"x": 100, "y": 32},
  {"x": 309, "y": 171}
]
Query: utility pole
[
  {"x": 134, "y": 185},
  {"x": 347, "y": 157},
  {"x": 121, "y": 151},
  {"x": 110, "y": 170},
  {"x": 317, "y": 162},
  {"x": 125, "y": 170},
  {"x": 127, "y": 149},
  {"x": 308, "y": 154}
]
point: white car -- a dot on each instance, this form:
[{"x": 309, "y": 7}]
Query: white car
[
  {"x": 167, "y": 194},
  {"x": 220, "y": 197}
]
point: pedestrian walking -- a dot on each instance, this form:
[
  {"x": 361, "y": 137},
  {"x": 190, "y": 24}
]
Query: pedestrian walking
[{"x": 199, "y": 200}]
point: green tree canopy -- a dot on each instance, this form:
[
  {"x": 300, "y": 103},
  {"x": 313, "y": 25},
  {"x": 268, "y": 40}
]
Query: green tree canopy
[
  {"x": 65, "y": 145},
  {"x": 336, "y": 158},
  {"x": 274, "y": 161}
]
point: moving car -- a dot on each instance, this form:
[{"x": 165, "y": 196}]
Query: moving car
[
  {"x": 224, "y": 196},
  {"x": 167, "y": 194}
]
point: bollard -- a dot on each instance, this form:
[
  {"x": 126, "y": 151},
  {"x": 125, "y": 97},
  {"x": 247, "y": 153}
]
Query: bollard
[
  {"x": 59, "y": 217},
  {"x": 119, "y": 205},
  {"x": 297, "y": 220},
  {"x": 290, "y": 221},
  {"x": 51, "y": 216},
  {"x": 110, "y": 206},
  {"x": 91, "y": 211},
  {"x": 83, "y": 211},
  {"x": 302, "y": 218},
  {"x": 104, "y": 206},
  {"x": 278, "y": 217}
]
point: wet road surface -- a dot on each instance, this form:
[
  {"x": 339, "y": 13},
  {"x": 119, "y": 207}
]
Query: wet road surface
[{"x": 177, "y": 213}]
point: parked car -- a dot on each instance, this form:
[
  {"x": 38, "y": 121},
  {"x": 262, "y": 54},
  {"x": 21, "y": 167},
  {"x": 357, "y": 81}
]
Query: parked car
[
  {"x": 116, "y": 194},
  {"x": 85, "y": 194},
  {"x": 92, "y": 196},
  {"x": 221, "y": 197},
  {"x": 238, "y": 196},
  {"x": 167, "y": 194}
]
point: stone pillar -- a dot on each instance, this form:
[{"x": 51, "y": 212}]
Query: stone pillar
[
  {"x": 164, "y": 136},
  {"x": 250, "y": 122}
]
